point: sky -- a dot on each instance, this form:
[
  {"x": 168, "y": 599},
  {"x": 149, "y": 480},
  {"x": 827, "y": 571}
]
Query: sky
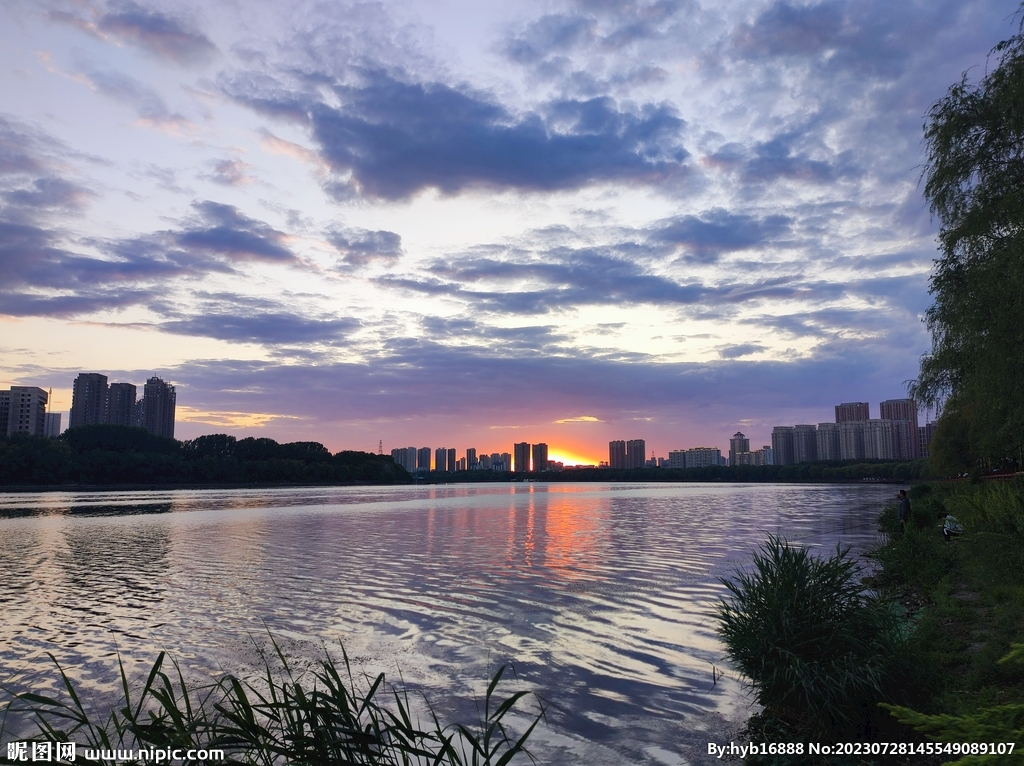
[{"x": 465, "y": 224}]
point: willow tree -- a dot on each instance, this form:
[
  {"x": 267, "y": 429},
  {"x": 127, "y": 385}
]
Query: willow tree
[{"x": 974, "y": 182}]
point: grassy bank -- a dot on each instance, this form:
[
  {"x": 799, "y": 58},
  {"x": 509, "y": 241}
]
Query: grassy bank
[
  {"x": 929, "y": 652},
  {"x": 965, "y": 599}
]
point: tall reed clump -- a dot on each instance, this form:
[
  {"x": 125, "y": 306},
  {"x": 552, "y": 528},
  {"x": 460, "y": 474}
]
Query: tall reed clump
[
  {"x": 818, "y": 651},
  {"x": 321, "y": 716}
]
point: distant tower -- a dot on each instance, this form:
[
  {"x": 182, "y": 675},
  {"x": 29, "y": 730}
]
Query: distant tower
[
  {"x": 121, "y": 404},
  {"x": 380, "y": 447},
  {"x": 88, "y": 400},
  {"x": 852, "y": 412},
  {"x": 158, "y": 404},
  {"x": 521, "y": 451},
  {"x": 540, "y": 457},
  {"x": 737, "y": 444}
]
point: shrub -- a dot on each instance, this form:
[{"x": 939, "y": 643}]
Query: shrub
[
  {"x": 819, "y": 652},
  {"x": 1000, "y": 724},
  {"x": 996, "y": 507}
]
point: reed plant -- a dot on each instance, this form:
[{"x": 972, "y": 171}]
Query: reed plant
[
  {"x": 324, "y": 715},
  {"x": 819, "y": 652}
]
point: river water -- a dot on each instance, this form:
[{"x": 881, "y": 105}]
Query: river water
[{"x": 602, "y": 596}]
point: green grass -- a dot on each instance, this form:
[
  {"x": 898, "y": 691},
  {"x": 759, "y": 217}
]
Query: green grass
[
  {"x": 326, "y": 715},
  {"x": 968, "y": 597}
]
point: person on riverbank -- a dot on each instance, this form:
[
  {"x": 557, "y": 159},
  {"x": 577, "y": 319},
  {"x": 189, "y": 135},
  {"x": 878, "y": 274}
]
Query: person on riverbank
[
  {"x": 951, "y": 526},
  {"x": 903, "y": 511}
]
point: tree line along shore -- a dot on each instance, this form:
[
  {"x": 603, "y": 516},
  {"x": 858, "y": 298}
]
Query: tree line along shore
[{"x": 105, "y": 455}]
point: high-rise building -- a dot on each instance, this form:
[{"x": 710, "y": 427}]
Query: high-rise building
[
  {"x": 540, "y": 457},
  {"x": 423, "y": 459},
  {"x": 461, "y": 465},
  {"x": 52, "y": 425},
  {"x": 677, "y": 458},
  {"x": 452, "y": 463},
  {"x": 441, "y": 459},
  {"x": 471, "y": 464},
  {"x": 769, "y": 454},
  {"x": 743, "y": 458},
  {"x": 5, "y": 410},
  {"x": 738, "y": 443},
  {"x": 908, "y": 445},
  {"x": 828, "y": 441},
  {"x": 506, "y": 461},
  {"x": 783, "y": 447},
  {"x": 121, "y": 404},
  {"x": 140, "y": 414},
  {"x": 805, "y": 443},
  {"x": 521, "y": 451},
  {"x": 924, "y": 438},
  {"x": 701, "y": 457},
  {"x": 88, "y": 400},
  {"x": 405, "y": 457},
  {"x": 158, "y": 405},
  {"x": 484, "y": 462},
  {"x": 852, "y": 411},
  {"x": 617, "y": 454},
  {"x": 636, "y": 453},
  {"x": 851, "y": 439},
  {"x": 881, "y": 439},
  {"x": 26, "y": 412}
]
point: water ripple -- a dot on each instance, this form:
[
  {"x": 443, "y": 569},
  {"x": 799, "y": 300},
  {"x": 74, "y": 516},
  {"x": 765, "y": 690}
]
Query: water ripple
[{"x": 603, "y": 596}]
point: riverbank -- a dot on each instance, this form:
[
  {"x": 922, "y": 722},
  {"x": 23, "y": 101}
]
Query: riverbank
[
  {"x": 930, "y": 652},
  {"x": 965, "y": 597}
]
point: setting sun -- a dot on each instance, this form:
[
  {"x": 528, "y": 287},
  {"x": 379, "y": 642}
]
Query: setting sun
[{"x": 565, "y": 457}]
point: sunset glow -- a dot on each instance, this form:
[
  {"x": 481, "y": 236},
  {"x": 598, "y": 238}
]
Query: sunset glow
[{"x": 427, "y": 223}]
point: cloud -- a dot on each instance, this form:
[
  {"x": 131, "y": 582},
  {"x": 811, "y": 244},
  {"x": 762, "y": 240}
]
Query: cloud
[
  {"x": 740, "y": 349},
  {"x": 705, "y": 237},
  {"x": 360, "y": 247},
  {"x": 392, "y": 138},
  {"x": 230, "y": 173},
  {"x": 42, "y": 276},
  {"x": 47, "y": 193},
  {"x": 430, "y": 382},
  {"x": 782, "y": 158},
  {"x": 222, "y": 230},
  {"x": 245, "y": 319},
  {"x": 157, "y": 33},
  {"x": 147, "y": 103},
  {"x": 580, "y": 419},
  {"x": 549, "y": 34},
  {"x": 869, "y": 37}
]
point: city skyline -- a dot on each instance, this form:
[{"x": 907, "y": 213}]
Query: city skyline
[
  {"x": 98, "y": 401},
  {"x": 438, "y": 221}
]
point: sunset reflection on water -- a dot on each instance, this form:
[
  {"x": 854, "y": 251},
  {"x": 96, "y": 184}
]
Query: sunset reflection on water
[{"x": 601, "y": 595}]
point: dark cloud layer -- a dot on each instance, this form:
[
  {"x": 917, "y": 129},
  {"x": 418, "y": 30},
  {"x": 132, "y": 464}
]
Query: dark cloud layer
[
  {"x": 707, "y": 236},
  {"x": 414, "y": 380},
  {"x": 392, "y": 138},
  {"x": 241, "y": 318}
]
